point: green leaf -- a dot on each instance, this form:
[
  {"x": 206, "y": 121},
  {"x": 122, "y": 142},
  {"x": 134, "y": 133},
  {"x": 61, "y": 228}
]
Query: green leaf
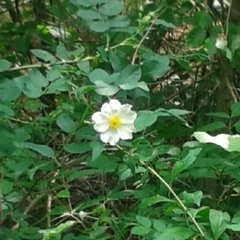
[
  {"x": 97, "y": 149},
  {"x": 164, "y": 23},
  {"x": 182, "y": 165},
  {"x": 153, "y": 69},
  {"x": 147, "y": 202},
  {"x": 6, "y": 111},
  {"x": 43, "y": 55},
  {"x": 140, "y": 230},
  {"x": 235, "y": 109},
  {"x": 53, "y": 74},
  {"x": 4, "y": 65},
  {"x": 159, "y": 225},
  {"x": 88, "y": 14},
  {"x": 78, "y": 147},
  {"x": 65, "y": 122},
  {"x": 6, "y": 187},
  {"x": 131, "y": 85},
  {"x": 88, "y": 3},
  {"x": 145, "y": 119},
  {"x": 218, "y": 222},
  {"x": 174, "y": 233},
  {"x": 196, "y": 37},
  {"x": 234, "y": 227},
  {"x": 146, "y": 222},
  {"x": 32, "y": 84},
  {"x": 103, "y": 163},
  {"x": 219, "y": 114},
  {"x": 195, "y": 197},
  {"x": 63, "y": 194},
  {"x": 99, "y": 26},
  {"x": 105, "y": 89},
  {"x": 61, "y": 85},
  {"x": 202, "y": 19},
  {"x": 117, "y": 60},
  {"x": 131, "y": 73},
  {"x": 118, "y": 22},
  {"x": 37, "y": 78},
  {"x": 55, "y": 233},
  {"x": 42, "y": 149},
  {"x": 99, "y": 74},
  {"x": 213, "y": 126},
  {"x": 62, "y": 52},
  {"x": 111, "y": 8}
]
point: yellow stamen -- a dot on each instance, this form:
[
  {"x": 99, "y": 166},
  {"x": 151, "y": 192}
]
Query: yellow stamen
[{"x": 114, "y": 122}]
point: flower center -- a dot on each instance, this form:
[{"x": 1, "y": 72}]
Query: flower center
[{"x": 114, "y": 122}]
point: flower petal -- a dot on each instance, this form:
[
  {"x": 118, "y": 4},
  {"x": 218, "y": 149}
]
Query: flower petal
[
  {"x": 101, "y": 127},
  {"x": 106, "y": 108},
  {"x": 115, "y": 104},
  {"x": 124, "y": 133},
  {"x": 127, "y": 116},
  {"x": 110, "y": 136},
  {"x": 99, "y": 117}
]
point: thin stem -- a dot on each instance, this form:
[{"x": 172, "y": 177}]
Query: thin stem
[
  {"x": 142, "y": 40},
  {"x": 175, "y": 196},
  {"x": 48, "y": 65},
  {"x": 228, "y": 17}
]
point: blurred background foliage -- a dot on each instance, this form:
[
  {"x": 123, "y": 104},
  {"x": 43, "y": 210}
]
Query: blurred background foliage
[{"x": 176, "y": 62}]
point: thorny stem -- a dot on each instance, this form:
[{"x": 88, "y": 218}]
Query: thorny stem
[
  {"x": 175, "y": 196},
  {"x": 142, "y": 40},
  {"x": 47, "y": 65},
  {"x": 170, "y": 190}
]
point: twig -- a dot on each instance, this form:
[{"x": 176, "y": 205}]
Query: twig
[
  {"x": 175, "y": 196},
  {"x": 228, "y": 17},
  {"x": 141, "y": 41},
  {"x": 44, "y": 65}
]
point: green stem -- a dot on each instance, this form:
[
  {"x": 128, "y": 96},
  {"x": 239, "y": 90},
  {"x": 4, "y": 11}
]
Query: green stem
[{"x": 175, "y": 196}]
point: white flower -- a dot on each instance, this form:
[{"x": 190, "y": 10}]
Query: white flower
[{"x": 114, "y": 122}]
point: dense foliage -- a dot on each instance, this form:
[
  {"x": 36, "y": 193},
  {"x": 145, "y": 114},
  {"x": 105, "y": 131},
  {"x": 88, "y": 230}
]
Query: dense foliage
[{"x": 176, "y": 63}]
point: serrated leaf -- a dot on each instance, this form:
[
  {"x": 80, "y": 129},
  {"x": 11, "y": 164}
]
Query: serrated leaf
[
  {"x": 6, "y": 111},
  {"x": 174, "y": 233},
  {"x": 4, "y": 65},
  {"x": 213, "y": 126},
  {"x": 97, "y": 149},
  {"x": 164, "y": 23},
  {"x": 105, "y": 89},
  {"x": 78, "y": 147},
  {"x": 43, "y": 55},
  {"x": 202, "y": 19},
  {"x": 111, "y": 8},
  {"x": 44, "y": 150},
  {"x": 146, "y": 222},
  {"x": 63, "y": 194},
  {"x": 180, "y": 166},
  {"x": 155, "y": 68},
  {"x": 196, "y": 37},
  {"x": 62, "y": 52},
  {"x": 145, "y": 119},
  {"x": 65, "y": 122},
  {"x": 9, "y": 91},
  {"x": 140, "y": 230},
  {"x": 219, "y": 222},
  {"x": 89, "y": 14},
  {"x": 99, "y": 74},
  {"x": 131, "y": 73},
  {"x": 118, "y": 22},
  {"x": 195, "y": 197},
  {"x": 99, "y": 26},
  {"x": 235, "y": 109}
]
